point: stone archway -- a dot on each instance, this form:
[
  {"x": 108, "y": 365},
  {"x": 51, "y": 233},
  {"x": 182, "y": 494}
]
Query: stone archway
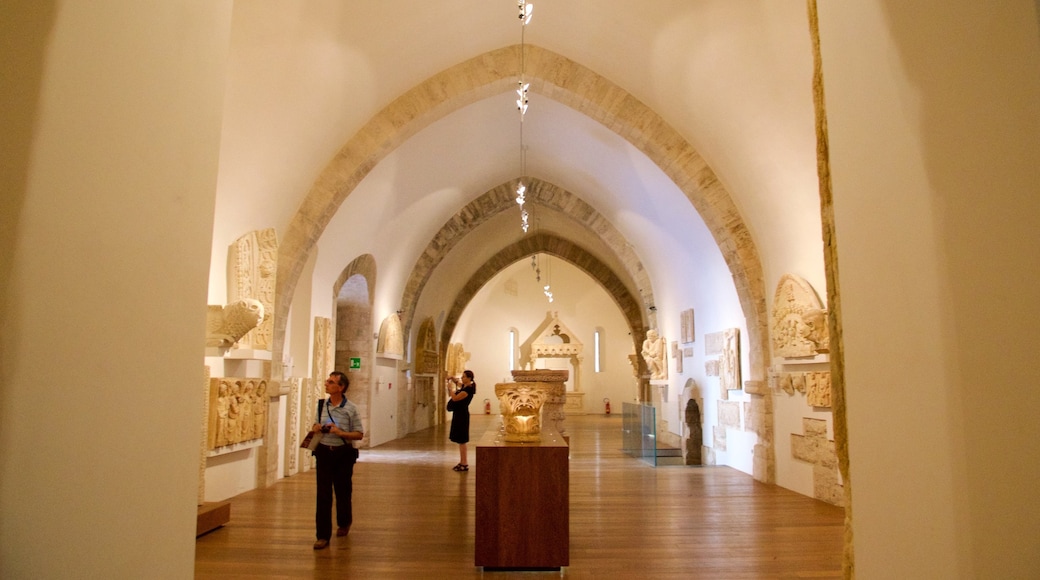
[
  {"x": 571, "y": 84},
  {"x": 631, "y": 308}
]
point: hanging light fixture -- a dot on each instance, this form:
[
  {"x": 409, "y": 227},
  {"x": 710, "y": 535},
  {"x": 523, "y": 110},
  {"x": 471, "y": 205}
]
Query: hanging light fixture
[{"x": 525, "y": 11}]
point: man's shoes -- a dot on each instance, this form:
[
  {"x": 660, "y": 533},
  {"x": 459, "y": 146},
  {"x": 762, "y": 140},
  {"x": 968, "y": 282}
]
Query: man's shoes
[
  {"x": 343, "y": 531},
  {"x": 321, "y": 544}
]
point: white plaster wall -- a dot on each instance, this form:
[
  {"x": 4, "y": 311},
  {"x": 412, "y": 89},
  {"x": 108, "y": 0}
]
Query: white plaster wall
[
  {"x": 107, "y": 215},
  {"x": 483, "y": 329},
  {"x": 934, "y": 116}
]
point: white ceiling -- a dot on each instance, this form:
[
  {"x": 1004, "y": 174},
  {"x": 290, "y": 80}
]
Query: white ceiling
[{"x": 733, "y": 77}]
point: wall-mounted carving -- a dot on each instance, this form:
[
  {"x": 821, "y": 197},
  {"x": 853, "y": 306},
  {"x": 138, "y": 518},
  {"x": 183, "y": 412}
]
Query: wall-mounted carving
[
  {"x": 814, "y": 447},
  {"x": 799, "y": 326},
  {"x": 686, "y": 329},
  {"x": 654, "y": 355},
  {"x": 815, "y": 385},
  {"x": 252, "y": 263},
  {"x": 226, "y": 325},
  {"x": 456, "y": 359},
  {"x": 390, "y": 343},
  {"x": 729, "y": 363},
  {"x": 426, "y": 357},
  {"x": 677, "y": 355},
  {"x": 237, "y": 410},
  {"x": 324, "y": 355}
]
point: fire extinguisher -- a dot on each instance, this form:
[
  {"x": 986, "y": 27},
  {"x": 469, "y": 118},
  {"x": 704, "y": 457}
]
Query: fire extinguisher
[
  {"x": 487, "y": 407},
  {"x": 606, "y": 403}
]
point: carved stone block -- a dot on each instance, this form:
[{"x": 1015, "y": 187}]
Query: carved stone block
[
  {"x": 799, "y": 325},
  {"x": 237, "y": 410},
  {"x": 252, "y": 264},
  {"x": 729, "y": 414}
]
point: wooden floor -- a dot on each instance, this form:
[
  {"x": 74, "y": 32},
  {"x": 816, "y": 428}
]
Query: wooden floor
[{"x": 413, "y": 518}]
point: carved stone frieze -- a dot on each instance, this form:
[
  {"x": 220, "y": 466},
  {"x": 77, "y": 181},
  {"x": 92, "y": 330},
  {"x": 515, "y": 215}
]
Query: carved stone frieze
[
  {"x": 426, "y": 357},
  {"x": 237, "y": 410}
]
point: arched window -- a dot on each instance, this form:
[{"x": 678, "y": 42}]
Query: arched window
[
  {"x": 597, "y": 349},
  {"x": 513, "y": 345}
]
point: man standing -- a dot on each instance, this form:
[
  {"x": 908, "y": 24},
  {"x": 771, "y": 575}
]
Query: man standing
[{"x": 340, "y": 424}]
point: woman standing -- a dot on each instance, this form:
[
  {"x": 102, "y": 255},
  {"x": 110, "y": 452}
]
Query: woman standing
[{"x": 459, "y": 399}]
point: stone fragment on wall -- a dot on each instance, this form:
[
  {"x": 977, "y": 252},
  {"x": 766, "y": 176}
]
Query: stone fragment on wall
[
  {"x": 729, "y": 414},
  {"x": 226, "y": 325},
  {"x": 813, "y": 446},
  {"x": 293, "y": 426},
  {"x": 252, "y": 263},
  {"x": 426, "y": 357},
  {"x": 714, "y": 343},
  {"x": 799, "y": 322},
  {"x": 718, "y": 438},
  {"x": 456, "y": 359},
  {"x": 390, "y": 343},
  {"x": 324, "y": 354},
  {"x": 818, "y": 390},
  {"x": 729, "y": 363},
  {"x": 204, "y": 440}
]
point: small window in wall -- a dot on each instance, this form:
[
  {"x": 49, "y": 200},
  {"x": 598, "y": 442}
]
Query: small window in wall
[
  {"x": 597, "y": 349},
  {"x": 512, "y": 349}
]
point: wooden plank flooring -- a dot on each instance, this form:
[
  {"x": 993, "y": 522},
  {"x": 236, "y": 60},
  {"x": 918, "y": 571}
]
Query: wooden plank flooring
[{"x": 413, "y": 518}]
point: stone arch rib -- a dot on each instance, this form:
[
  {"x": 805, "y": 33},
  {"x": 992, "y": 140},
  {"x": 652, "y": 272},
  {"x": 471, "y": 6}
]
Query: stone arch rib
[
  {"x": 571, "y": 84},
  {"x": 631, "y": 307}
]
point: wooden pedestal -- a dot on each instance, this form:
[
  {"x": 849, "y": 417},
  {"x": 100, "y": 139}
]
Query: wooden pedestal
[
  {"x": 211, "y": 516},
  {"x": 522, "y": 503}
]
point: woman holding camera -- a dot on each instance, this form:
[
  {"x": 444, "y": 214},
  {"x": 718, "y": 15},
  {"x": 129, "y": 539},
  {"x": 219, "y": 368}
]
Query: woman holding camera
[
  {"x": 459, "y": 399},
  {"x": 340, "y": 424}
]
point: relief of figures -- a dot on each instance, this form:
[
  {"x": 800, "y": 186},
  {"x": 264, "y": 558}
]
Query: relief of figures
[
  {"x": 238, "y": 411},
  {"x": 799, "y": 325}
]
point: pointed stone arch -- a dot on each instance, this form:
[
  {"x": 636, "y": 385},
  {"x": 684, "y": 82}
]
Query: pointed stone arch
[
  {"x": 569, "y": 83},
  {"x": 631, "y": 308}
]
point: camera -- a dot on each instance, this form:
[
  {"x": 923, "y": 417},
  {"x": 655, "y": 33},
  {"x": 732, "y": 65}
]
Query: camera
[{"x": 326, "y": 428}]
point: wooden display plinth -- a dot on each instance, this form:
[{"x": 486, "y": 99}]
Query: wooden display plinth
[
  {"x": 522, "y": 503},
  {"x": 212, "y": 516}
]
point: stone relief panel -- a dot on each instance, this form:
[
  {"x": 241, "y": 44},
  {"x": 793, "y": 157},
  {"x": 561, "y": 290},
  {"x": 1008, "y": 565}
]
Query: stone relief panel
[
  {"x": 686, "y": 328},
  {"x": 799, "y": 324},
  {"x": 237, "y": 410},
  {"x": 252, "y": 263},
  {"x": 729, "y": 414},
  {"x": 391, "y": 338},
  {"x": 204, "y": 442},
  {"x": 815, "y": 385},
  {"x": 292, "y": 421},
  {"x": 324, "y": 354},
  {"x": 426, "y": 357},
  {"x": 714, "y": 343},
  {"x": 729, "y": 363},
  {"x": 677, "y": 355}
]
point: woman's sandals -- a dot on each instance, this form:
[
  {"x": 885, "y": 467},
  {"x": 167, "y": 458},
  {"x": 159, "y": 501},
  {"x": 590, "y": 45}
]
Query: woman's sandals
[{"x": 461, "y": 467}]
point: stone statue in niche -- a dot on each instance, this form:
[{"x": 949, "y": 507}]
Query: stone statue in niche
[
  {"x": 654, "y": 355},
  {"x": 391, "y": 339},
  {"x": 252, "y": 263},
  {"x": 226, "y": 325},
  {"x": 799, "y": 325}
]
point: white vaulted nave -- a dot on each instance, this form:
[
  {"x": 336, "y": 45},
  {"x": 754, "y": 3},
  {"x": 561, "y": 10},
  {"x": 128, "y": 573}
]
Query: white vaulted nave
[{"x": 741, "y": 177}]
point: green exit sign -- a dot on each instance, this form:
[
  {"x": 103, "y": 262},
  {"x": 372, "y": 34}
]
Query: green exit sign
[{"x": 355, "y": 363}]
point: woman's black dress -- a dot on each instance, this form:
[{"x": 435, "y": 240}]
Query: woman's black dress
[{"x": 459, "y": 432}]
